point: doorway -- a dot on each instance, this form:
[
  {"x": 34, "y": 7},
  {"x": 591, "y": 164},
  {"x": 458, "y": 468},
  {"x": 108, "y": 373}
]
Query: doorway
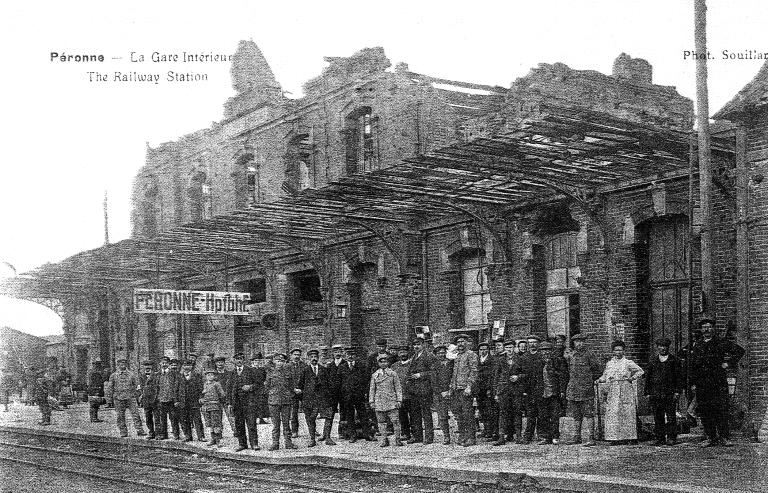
[{"x": 668, "y": 250}]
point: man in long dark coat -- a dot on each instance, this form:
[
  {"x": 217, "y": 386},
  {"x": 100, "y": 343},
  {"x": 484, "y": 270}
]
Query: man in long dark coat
[
  {"x": 508, "y": 392},
  {"x": 241, "y": 389},
  {"x": 310, "y": 385},
  {"x": 148, "y": 382},
  {"x": 419, "y": 387},
  {"x": 533, "y": 365},
  {"x": 355, "y": 380},
  {"x": 710, "y": 358},
  {"x": 663, "y": 383},
  {"x": 95, "y": 390},
  {"x": 332, "y": 394},
  {"x": 296, "y": 369},
  {"x": 485, "y": 399}
]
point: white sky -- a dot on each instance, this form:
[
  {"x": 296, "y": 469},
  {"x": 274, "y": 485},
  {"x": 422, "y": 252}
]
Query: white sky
[{"x": 66, "y": 141}]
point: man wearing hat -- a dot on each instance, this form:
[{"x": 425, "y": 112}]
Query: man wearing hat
[
  {"x": 419, "y": 388},
  {"x": 95, "y": 390},
  {"x": 583, "y": 369},
  {"x": 296, "y": 368},
  {"x": 508, "y": 389},
  {"x": 663, "y": 384},
  {"x": 354, "y": 393},
  {"x": 533, "y": 367},
  {"x": 148, "y": 399},
  {"x": 167, "y": 381},
  {"x": 382, "y": 348},
  {"x": 311, "y": 385},
  {"x": 261, "y": 366},
  {"x": 188, "y": 392},
  {"x": 485, "y": 402},
  {"x": 550, "y": 392},
  {"x": 123, "y": 387},
  {"x": 221, "y": 375},
  {"x": 192, "y": 358},
  {"x": 44, "y": 387},
  {"x": 711, "y": 357},
  {"x": 443, "y": 372},
  {"x": 463, "y": 382},
  {"x": 241, "y": 398},
  {"x": 402, "y": 367},
  {"x": 279, "y": 387},
  {"x": 332, "y": 393}
]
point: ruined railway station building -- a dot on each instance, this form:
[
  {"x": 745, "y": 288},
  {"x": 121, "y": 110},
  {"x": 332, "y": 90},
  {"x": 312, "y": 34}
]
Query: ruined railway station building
[{"x": 384, "y": 201}]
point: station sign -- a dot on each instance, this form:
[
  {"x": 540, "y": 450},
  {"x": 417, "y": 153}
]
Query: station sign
[{"x": 173, "y": 301}]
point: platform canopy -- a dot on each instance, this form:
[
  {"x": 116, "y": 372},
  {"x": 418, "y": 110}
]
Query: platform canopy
[{"x": 553, "y": 153}]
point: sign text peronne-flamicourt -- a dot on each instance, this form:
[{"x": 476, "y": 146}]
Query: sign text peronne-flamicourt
[{"x": 190, "y": 302}]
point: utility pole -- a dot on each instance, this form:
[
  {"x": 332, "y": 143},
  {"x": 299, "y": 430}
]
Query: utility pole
[
  {"x": 106, "y": 220},
  {"x": 705, "y": 159}
]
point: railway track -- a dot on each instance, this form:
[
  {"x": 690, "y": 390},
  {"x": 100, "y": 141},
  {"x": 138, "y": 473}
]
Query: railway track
[
  {"x": 159, "y": 466},
  {"x": 197, "y": 473}
]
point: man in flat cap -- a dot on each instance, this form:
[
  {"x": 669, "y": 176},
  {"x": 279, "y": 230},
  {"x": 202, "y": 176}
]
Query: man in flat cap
[
  {"x": 44, "y": 387},
  {"x": 372, "y": 363},
  {"x": 260, "y": 366},
  {"x": 221, "y": 375},
  {"x": 192, "y": 358},
  {"x": 711, "y": 357},
  {"x": 296, "y": 368},
  {"x": 402, "y": 367},
  {"x": 533, "y": 366},
  {"x": 382, "y": 348},
  {"x": 167, "y": 381},
  {"x": 332, "y": 393},
  {"x": 148, "y": 399},
  {"x": 443, "y": 372},
  {"x": 583, "y": 369},
  {"x": 354, "y": 395},
  {"x": 551, "y": 391},
  {"x": 485, "y": 402},
  {"x": 123, "y": 387},
  {"x": 95, "y": 390},
  {"x": 663, "y": 383},
  {"x": 241, "y": 398},
  {"x": 463, "y": 382},
  {"x": 419, "y": 388},
  {"x": 311, "y": 385},
  {"x": 522, "y": 345},
  {"x": 279, "y": 386},
  {"x": 189, "y": 389},
  {"x": 508, "y": 393}
]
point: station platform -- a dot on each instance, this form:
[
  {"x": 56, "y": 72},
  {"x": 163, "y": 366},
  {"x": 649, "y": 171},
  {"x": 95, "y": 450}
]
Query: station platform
[{"x": 683, "y": 468}]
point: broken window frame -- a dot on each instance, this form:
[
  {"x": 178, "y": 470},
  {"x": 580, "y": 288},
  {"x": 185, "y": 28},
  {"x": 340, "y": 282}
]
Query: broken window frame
[
  {"x": 306, "y": 301},
  {"x": 477, "y": 294},
  {"x": 362, "y": 141}
]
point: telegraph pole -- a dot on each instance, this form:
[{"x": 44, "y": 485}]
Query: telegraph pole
[{"x": 705, "y": 159}]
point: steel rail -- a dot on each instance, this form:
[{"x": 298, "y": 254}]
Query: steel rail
[
  {"x": 93, "y": 475},
  {"x": 159, "y": 465}
]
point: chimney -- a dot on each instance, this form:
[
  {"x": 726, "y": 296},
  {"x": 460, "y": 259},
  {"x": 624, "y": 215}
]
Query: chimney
[{"x": 635, "y": 70}]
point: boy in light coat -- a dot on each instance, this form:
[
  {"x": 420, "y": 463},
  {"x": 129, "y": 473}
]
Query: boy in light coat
[{"x": 385, "y": 397}]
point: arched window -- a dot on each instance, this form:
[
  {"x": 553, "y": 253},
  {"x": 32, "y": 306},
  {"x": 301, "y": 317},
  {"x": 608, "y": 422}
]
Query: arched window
[
  {"x": 199, "y": 197},
  {"x": 361, "y": 141}
]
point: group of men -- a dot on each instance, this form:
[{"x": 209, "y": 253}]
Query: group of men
[{"x": 394, "y": 390}]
